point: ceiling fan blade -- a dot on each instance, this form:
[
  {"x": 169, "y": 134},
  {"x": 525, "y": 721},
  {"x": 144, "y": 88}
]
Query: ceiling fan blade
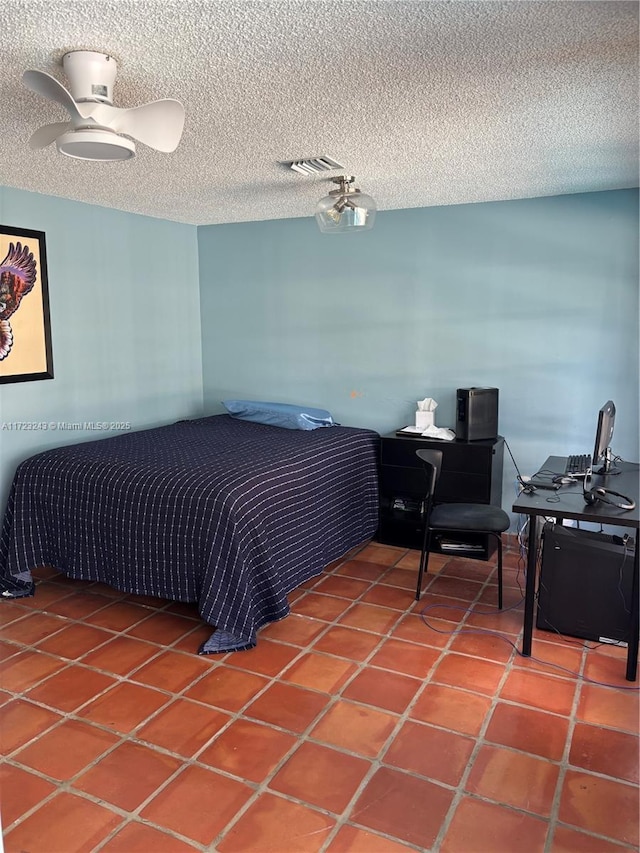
[
  {"x": 158, "y": 124},
  {"x": 44, "y": 84},
  {"x": 49, "y": 133}
]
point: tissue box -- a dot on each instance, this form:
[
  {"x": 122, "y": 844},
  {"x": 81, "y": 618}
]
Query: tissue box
[{"x": 424, "y": 419}]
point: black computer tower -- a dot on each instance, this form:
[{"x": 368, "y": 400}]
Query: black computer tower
[
  {"x": 585, "y": 582},
  {"x": 476, "y": 413}
]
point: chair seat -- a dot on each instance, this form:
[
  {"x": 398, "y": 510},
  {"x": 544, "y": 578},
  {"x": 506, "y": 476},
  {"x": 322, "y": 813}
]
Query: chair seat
[{"x": 470, "y": 517}]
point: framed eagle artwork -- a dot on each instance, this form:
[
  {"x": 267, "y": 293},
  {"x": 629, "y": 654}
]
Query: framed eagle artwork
[{"x": 25, "y": 329}]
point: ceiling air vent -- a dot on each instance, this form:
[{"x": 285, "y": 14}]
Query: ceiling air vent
[{"x": 314, "y": 165}]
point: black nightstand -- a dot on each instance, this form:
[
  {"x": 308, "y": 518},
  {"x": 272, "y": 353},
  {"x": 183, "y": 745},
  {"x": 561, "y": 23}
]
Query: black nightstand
[{"x": 471, "y": 473}]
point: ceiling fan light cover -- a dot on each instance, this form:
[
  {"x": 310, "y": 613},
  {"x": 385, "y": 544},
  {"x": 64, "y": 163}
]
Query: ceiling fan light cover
[
  {"x": 95, "y": 145},
  {"x": 345, "y": 210}
]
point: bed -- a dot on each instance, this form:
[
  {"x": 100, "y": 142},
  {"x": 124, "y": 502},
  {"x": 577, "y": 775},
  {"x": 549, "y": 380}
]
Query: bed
[{"x": 227, "y": 513}]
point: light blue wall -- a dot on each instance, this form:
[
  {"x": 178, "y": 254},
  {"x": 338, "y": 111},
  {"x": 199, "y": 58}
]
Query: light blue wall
[
  {"x": 537, "y": 297},
  {"x": 125, "y": 323}
]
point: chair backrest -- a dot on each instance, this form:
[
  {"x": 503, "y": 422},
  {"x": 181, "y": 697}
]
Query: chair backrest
[{"x": 432, "y": 462}]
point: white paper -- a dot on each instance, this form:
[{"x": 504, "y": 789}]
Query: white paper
[
  {"x": 427, "y": 405},
  {"x": 439, "y": 432}
]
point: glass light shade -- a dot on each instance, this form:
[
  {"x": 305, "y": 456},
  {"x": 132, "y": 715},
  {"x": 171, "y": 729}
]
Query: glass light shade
[{"x": 340, "y": 212}]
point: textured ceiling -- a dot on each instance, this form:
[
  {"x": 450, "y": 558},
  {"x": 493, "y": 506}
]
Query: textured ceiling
[{"x": 426, "y": 103}]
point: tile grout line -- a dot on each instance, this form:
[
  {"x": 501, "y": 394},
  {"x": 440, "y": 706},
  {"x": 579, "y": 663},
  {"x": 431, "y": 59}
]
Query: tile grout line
[
  {"x": 277, "y": 678},
  {"x": 303, "y": 737},
  {"x": 460, "y": 790}
]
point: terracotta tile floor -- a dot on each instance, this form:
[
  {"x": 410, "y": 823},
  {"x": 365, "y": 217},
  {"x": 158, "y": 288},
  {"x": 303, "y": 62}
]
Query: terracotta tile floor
[{"x": 353, "y": 726}]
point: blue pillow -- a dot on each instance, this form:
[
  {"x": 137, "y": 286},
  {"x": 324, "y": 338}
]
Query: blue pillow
[{"x": 283, "y": 415}]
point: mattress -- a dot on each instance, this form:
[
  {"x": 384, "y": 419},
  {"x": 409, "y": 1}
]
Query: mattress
[{"x": 225, "y": 513}]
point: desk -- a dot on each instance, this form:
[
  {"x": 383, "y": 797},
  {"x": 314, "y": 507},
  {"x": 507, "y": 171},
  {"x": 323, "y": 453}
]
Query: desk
[{"x": 568, "y": 502}]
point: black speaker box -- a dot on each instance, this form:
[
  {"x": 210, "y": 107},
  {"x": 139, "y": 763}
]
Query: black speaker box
[
  {"x": 476, "y": 413},
  {"x": 584, "y": 588}
]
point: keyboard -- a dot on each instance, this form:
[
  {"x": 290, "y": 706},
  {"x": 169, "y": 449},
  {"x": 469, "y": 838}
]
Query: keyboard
[{"x": 577, "y": 464}]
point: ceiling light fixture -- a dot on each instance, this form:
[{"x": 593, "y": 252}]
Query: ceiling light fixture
[{"x": 345, "y": 209}]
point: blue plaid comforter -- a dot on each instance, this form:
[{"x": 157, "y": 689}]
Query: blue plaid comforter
[{"x": 229, "y": 514}]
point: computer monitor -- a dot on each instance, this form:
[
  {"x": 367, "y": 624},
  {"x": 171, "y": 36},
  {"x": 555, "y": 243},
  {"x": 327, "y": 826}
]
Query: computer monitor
[{"x": 604, "y": 434}]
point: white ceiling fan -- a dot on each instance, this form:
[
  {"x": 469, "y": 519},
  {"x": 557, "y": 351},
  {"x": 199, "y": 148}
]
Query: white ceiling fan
[{"x": 95, "y": 129}]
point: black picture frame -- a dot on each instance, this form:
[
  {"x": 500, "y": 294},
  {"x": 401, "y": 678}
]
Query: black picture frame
[{"x": 26, "y": 352}]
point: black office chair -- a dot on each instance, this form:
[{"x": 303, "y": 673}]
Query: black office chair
[{"x": 458, "y": 518}]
